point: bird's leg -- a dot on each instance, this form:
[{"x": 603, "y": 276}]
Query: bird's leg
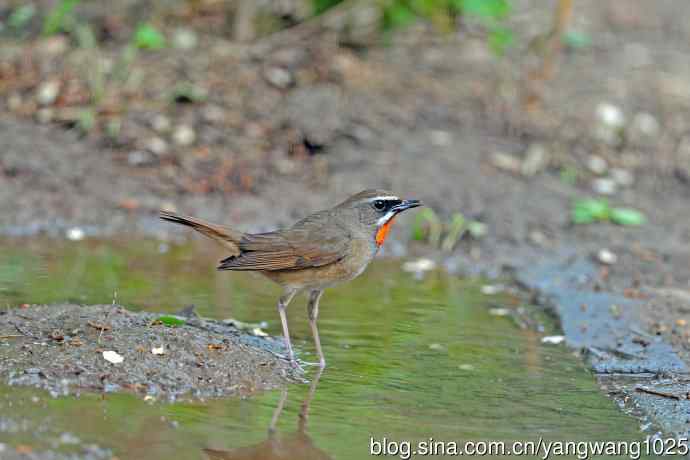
[
  {"x": 282, "y": 306},
  {"x": 313, "y": 310}
]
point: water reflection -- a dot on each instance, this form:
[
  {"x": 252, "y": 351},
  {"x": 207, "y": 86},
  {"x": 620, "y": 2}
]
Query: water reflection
[{"x": 297, "y": 445}]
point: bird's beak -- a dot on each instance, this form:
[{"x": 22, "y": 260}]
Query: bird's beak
[{"x": 406, "y": 204}]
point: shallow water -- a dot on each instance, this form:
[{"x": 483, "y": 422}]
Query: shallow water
[{"x": 407, "y": 360}]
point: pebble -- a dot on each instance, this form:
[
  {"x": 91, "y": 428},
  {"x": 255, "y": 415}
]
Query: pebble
[
  {"x": 646, "y": 124},
  {"x": 622, "y": 177},
  {"x": 48, "y": 92},
  {"x": 553, "y": 339},
  {"x": 278, "y": 77},
  {"x": 184, "y": 39},
  {"x": 157, "y": 146},
  {"x": 597, "y": 165},
  {"x": 75, "y": 234},
  {"x": 158, "y": 350},
  {"x": 499, "y": 311},
  {"x": 610, "y": 124},
  {"x": 436, "y": 347},
  {"x": 607, "y": 257},
  {"x": 113, "y": 357},
  {"x": 604, "y": 186},
  {"x": 492, "y": 289},
  {"x": 466, "y": 367},
  {"x": 536, "y": 159},
  {"x": 440, "y": 138},
  {"x": 161, "y": 123},
  {"x": 184, "y": 135},
  {"x": 419, "y": 265},
  {"x": 213, "y": 114},
  {"x": 140, "y": 158},
  {"x": 610, "y": 115},
  {"x": 14, "y": 102},
  {"x": 45, "y": 115},
  {"x": 506, "y": 162}
]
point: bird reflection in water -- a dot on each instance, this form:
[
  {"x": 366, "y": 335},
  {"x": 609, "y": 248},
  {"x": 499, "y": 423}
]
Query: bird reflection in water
[{"x": 297, "y": 445}]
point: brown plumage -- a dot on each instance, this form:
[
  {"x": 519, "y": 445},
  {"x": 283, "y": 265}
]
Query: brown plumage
[{"x": 323, "y": 249}]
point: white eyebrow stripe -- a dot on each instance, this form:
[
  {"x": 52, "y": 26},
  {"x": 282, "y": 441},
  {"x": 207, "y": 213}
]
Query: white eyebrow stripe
[
  {"x": 387, "y": 197},
  {"x": 388, "y": 216}
]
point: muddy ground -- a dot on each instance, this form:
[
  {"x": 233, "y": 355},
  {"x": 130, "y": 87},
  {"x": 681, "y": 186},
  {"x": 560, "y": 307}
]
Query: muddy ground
[
  {"x": 444, "y": 121},
  {"x": 63, "y": 349}
]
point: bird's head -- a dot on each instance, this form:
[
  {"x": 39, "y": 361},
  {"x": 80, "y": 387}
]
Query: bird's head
[{"x": 375, "y": 211}]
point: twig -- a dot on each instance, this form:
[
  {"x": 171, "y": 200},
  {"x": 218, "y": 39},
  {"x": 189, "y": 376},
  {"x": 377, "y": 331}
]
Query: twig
[
  {"x": 23, "y": 332},
  {"x": 658, "y": 393},
  {"x": 100, "y": 334},
  {"x": 2, "y": 337}
]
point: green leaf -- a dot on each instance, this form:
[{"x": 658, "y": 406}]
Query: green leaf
[
  {"x": 171, "y": 321},
  {"x": 319, "y": 6},
  {"x": 398, "y": 15},
  {"x": 427, "y": 225},
  {"x": 590, "y": 210},
  {"x": 627, "y": 216},
  {"x": 148, "y": 37},
  {"x": 500, "y": 39},
  {"x": 21, "y": 16},
  {"x": 491, "y": 10},
  {"x": 60, "y": 19}
]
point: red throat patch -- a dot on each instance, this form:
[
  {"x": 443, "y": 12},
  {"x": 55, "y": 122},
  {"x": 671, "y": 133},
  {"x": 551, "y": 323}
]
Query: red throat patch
[{"x": 382, "y": 232}]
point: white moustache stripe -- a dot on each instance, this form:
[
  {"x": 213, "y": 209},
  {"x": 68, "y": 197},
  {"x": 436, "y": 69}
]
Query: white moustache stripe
[
  {"x": 384, "y": 198},
  {"x": 382, "y": 220}
]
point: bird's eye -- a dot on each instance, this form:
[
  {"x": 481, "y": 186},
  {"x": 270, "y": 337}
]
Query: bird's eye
[{"x": 379, "y": 205}]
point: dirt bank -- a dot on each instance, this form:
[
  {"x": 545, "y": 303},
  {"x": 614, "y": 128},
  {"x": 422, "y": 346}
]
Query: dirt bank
[{"x": 63, "y": 349}]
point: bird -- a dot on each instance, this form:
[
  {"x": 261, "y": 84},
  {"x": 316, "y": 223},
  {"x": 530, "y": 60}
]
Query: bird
[{"x": 322, "y": 250}]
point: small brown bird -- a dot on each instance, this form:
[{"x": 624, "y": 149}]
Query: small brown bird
[{"x": 320, "y": 251}]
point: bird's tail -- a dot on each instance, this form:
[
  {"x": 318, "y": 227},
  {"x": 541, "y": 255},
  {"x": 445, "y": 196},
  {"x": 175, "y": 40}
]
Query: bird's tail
[{"x": 227, "y": 237}]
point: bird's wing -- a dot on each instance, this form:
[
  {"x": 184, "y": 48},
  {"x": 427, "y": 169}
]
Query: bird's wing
[{"x": 310, "y": 243}]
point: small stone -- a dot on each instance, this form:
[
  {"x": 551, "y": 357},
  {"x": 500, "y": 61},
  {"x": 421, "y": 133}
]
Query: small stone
[
  {"x": 69, "y": 438},
  {"x": 184, "y": 39},
  {"x": 622, "y": 177},
  {"x": 604, "y": 186},
  {"x": 610, "y": 124},
  {"x": 436, "y": 347},
  {"x": 213, "y": 114},
  {"x": 158, "y": 351},
  {"x": 536, "y": 159},
  {"x": 32, "y": 371},
  {"x": 113, "y": 357},
  {"x": 466, "y": 367},
  {"x": 14, "y": 102},
  {"x": 491, "y": 289},
  {"x": 278, "y": 77},
  {"x": 48, "y": 92},
  {"x": 161, "y": 123},
  {"x": 184, "y": 135},
  {"x": 553, "y": 339},
  {"x": 440, "y": 138},
  {"x": 499, "y": 311},
  {"x": 506, "y": 162},
  {"x": 646, "y": 124},
  {"x": 610, "y": 115},
  {"x": 607, "y": 257},
  {"x": 597, "y": 165},
  {"x": 157, "y": 146},
  {"x": 45, "y": 115},
  {"x": 419, "y": 265},
  {"x": 75, "y": 234},
  {"x": 140, "y": 158}
]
